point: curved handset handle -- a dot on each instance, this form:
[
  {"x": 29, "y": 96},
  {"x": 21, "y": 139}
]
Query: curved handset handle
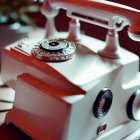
[{"x": 99, "y": 11}]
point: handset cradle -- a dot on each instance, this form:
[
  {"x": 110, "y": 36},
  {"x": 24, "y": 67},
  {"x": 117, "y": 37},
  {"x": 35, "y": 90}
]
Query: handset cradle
[{"x": 102, "y": 13}]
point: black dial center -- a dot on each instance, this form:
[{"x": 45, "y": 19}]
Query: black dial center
[{"x": 54, "y": 43}]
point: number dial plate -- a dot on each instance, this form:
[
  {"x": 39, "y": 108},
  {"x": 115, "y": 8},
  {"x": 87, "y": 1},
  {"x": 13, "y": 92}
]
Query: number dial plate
[{"x": 54, "y": 50}]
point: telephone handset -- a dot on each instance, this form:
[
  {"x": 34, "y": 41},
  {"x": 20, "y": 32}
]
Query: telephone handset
[{"x": 103, "y": 13}]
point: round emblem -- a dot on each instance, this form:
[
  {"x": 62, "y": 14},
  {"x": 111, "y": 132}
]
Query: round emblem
[
  {"x": 54, "y": 50},
  {"x": 102, "y": 103},
  {"x": 133, "y": 106}
]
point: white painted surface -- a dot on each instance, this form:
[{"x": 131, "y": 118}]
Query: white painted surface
[{"x": 91, "y": 73}]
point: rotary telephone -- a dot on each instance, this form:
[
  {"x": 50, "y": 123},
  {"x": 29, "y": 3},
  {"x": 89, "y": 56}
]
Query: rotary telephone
[{"x": 70, "y": 86}]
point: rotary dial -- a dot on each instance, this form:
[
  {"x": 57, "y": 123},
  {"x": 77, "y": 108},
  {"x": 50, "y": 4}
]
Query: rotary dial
[{"x": 54, "y": 50}]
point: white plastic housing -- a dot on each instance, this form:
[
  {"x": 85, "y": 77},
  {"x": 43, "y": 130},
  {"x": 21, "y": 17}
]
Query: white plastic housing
[{"x": 68, "y": 115}]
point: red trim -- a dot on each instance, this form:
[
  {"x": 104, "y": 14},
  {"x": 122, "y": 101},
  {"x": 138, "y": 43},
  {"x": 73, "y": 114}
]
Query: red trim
[{"x": 32, "y": 61}]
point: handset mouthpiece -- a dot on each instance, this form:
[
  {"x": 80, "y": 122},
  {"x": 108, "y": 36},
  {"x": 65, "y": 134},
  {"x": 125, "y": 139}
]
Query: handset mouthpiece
[{"x": 134, "y": 32}]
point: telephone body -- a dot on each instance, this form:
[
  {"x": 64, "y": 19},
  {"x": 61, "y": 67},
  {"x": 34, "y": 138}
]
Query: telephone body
[{"x": 93, "y": 95}]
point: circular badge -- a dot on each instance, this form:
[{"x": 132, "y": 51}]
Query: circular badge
[
  {"x": 133, "y": 106},
  {"x": 102, "y": 103},
  {"x": 54, "y": 50}
]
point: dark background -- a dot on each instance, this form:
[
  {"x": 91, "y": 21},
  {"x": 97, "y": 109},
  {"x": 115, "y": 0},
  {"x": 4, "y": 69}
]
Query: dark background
[{"x": 12, "y": 133}]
